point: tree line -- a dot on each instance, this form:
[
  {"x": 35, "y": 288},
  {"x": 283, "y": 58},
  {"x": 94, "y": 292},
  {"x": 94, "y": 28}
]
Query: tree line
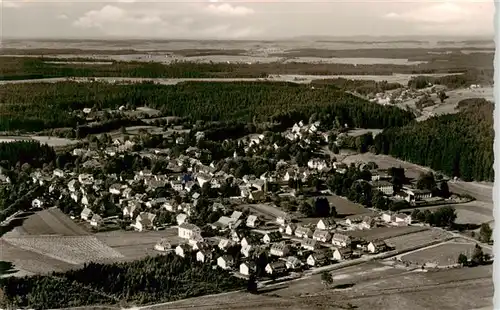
[
  {"x": 153, "y": 279},
  {"x": 38, "y": 106},
  {"x": 459, "y": 145}
]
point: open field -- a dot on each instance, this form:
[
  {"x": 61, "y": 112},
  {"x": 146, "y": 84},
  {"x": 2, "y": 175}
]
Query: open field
[
  {"x": 268, "y": 210},
  {"x": 136, "y": 245},
  {"x": 74, "y": 250},
  {"x": 417, "y": 238},
  {"x": 29, "y": 262},
  {"x": 50, "y": 141},
  {"x": 47, "y": 222},
  {"x": 444, "y": 254},
  {"x": 361, "y": 131},
  {"x": 346, "y": 207},
  {"x": 374, "y": 287},
  {"x": 386, "y": 232}
]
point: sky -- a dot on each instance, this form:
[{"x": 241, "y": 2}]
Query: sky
[{"x": 233, "y": 19}]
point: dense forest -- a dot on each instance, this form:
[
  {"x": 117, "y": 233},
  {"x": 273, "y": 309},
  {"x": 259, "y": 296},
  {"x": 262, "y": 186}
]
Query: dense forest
[
  {"x": 38, "y": 106},
  {"x": 459, "y": 144},
  {"x": 25, "y": 152},
  {"x": 363, "y": 87},
  {"x": 154, "y": 279},
  {"x": 16, "y": 68}
]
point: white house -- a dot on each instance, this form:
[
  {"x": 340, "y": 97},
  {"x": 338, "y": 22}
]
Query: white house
[
  {"x": 224, "y": 244},
  {"x": 181, "y": 218},
  {"x": 58, "y": 173},
  {"x": 341, "y": 240},
  {"x": 86, "y": 179},
  {"x": 96, "y": 220},
  {"x": 204, "y": 255},
  {"x": 303, "y": 232},
  {"x": 276, "y": 268},
  {"x": 86, "y": 214},
  {"x": 248, "y": 268},
  {"x": 252, "y": 221},
  {"x": 144, "y": 221},
  {"x": 225, "y": 262},
  {"x": 321, "y": 235},
  {"x": 271, "y": 237},
  {"x": 376, "y": 246},
  {"x": 129, "y": 209},
  {"x": 182, "y": 250},
  {"x": 163, "y": 245},
  {"x": 325, "y": 224},
  {"x": 293, "y": 263},
  {"x": 317, "y": 259},
  {"x": 283, "y": 219},
  {"x": 383, "y": 186},
  {"x": 280, "y": 249},
  {"x": 189, "y": 231},
  {"x": 402, "y": 219},
  {"x": 309, "y": 244},
  {"x": 289, "y": 229},
  {"x": 342, "y": 254}
]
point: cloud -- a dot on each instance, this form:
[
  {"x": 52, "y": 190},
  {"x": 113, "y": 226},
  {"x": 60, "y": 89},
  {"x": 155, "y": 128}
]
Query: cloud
[
  {"x": 62, "y": 16},
  {"x": 228, "y": 9},
  {"x": 440, "y": 13}
]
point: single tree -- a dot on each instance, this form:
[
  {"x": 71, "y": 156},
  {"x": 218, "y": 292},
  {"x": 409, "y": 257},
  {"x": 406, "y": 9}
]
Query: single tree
[
  {"x": 442, "y": 96},
  {"x": 326, "y": 278},
  {"x": 485, "y": 233},
  {"x": 478, "y": 255},
  {"x": 462, "y": 259}
]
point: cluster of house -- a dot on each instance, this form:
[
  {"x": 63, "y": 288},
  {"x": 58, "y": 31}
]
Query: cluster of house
[{"x": 290, "y": 248}]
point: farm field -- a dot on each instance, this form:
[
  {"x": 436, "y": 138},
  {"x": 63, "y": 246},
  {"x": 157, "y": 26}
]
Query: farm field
[
  {"x": 74, "y": 250},
  {"x": 385, "y": 233},
  {"x": 345, "y": 207},
  {"x": 419, "y": 238},
  {"x": 374, "y": 287},
  {"x": 29, "y": 262},
  {"x": 135, "y": 245},
  {"x": 48, "y": 222},
  {"x": 443, "y": 254}
]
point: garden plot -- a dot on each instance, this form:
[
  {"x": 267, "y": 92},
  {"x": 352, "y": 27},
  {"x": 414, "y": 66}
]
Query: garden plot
[
  {"x": 74, "y": 250},
  {"x": 420, "y": 238}
]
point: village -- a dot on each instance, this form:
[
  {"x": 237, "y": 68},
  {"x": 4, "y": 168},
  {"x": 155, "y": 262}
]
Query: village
[{"x": 276, "y": 224}]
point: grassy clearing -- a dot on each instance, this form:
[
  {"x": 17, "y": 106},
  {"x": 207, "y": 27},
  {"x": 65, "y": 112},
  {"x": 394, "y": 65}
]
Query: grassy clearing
[{"x": 444, "y": 254}]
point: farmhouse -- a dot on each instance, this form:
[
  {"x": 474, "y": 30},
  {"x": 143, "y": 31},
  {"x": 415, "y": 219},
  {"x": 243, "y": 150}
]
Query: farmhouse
[
  {"x": 325, "y": 224},
  {"x": 383, "y": 186},
  {"x": 322, "y": 235},
  {"x": 182, "y": 250},
  {"x": 376, "y": 246},
  {"x": 276, "y": 268},
  {"x": 280, "y": 249},
  {"x": 342, "y": 254},
  {"x": 248, "y": 268},
  {"x": 163, "y": 245},
  {"x": 144, "y": 221},
  {"x": 188, "y": 231},
  {"x": 303, "y": 232},
  {"x": 225, "y": 262},
  {"x": 341, "y": 240},
  {"x": 402, "y": 219}
]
